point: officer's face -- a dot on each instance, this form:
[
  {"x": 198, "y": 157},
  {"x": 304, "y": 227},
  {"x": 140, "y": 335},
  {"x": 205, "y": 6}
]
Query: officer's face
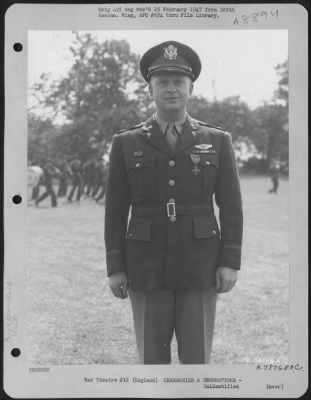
[{"x": 170, "y": 91}]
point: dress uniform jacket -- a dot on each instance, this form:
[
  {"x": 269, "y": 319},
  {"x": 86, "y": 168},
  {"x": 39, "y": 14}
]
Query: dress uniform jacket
[{"x": 160, "y": 225}]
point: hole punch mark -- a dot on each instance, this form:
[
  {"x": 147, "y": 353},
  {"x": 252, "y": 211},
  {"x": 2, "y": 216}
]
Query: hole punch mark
[
  {"x": 15, "y": 352},
  {"x": 17, "y": 199},
  {"x": 18, "y": 47}
]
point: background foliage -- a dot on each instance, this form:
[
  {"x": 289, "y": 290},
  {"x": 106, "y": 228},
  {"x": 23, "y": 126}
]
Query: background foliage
[{"x": 104, "y": 92}]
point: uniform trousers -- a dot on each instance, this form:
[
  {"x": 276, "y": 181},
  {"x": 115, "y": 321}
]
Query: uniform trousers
[{"x": 158, "y": 314}]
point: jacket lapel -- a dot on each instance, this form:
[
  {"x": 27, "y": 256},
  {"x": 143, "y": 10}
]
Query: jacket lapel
[
  {"x": 153, "y": 135},
  {"x": 189, "y": 136}
]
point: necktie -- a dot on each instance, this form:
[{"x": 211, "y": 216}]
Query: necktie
[{"x": 171, "y": 134}]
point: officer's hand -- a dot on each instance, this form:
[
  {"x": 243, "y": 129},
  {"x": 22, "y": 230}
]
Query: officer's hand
[
  {"x": 225, "y": 279},
  {"x": 118, "y": 284}
]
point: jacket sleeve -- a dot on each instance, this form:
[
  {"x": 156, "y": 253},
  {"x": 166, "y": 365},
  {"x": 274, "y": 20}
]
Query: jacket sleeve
[
  {"x": 116, "y": 210},
  {"x": 229, "y": 201}
]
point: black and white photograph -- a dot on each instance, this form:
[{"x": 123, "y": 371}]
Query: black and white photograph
[
  {"x": 154, "y": 178},
  {"x": 98, "y": 115}
]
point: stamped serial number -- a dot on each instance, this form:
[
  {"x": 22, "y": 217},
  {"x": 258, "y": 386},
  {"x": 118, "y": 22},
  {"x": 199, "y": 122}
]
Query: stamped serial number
[{"x": 226, "y": 9}]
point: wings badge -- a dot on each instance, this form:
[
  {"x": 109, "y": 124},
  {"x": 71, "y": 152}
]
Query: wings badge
[{"x": 204, "y": 148}]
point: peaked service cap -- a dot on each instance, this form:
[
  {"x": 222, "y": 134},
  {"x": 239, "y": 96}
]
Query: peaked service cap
[{"x": 170, "y": 56}]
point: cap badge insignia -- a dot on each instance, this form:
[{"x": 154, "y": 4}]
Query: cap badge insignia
[{"x": 170, "y": 52}]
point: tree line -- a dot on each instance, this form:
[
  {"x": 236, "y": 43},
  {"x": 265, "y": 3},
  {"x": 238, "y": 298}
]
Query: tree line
[{"x": 103, "y": 92}]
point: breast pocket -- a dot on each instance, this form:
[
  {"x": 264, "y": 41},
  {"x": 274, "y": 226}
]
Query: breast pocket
[
  {"x": 204, "y": 168},
  {"x": 141, "y": 174}
]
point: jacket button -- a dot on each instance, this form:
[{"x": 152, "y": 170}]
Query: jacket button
[
  {"x": 171, "y": 163},
  {"x": 172, "y": 218},
  {"x": 214, "y": 232},
  {"x": 171, "y": 182}
]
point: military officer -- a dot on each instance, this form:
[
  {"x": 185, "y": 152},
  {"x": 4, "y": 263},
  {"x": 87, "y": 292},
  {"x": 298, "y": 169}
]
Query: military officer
[{"x": 171, "y": 257}]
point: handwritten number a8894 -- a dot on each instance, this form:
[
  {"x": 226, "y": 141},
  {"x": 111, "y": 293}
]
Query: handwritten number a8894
[{"x": 245, "y": 19}]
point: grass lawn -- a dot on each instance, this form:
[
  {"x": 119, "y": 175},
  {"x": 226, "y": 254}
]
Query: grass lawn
[{"x": 74, "y": 319}]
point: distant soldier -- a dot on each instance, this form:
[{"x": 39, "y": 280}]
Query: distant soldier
[
  {"x": 65, "y": 173},
  {"x": 103, "y": 168},
  {"x": 49, "y": 171},
  {"x": 97, "y": 177},
  {"x": 274, "y": 174},
  {"x": 89, "y": 176},
  {"x": 35, "y": 177},
  {"x": 77, "y": 180}
]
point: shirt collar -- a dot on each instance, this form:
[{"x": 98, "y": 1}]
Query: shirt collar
[{"x": 163, "y": 124}]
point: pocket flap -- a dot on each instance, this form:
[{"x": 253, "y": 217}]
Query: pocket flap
[
  {"x": 205, "y": 227},
  {"x": 140, "y": 162},
  {"x": 139, "y": 229}
]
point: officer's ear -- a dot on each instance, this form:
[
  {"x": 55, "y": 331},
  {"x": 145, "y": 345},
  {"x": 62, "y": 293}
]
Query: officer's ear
[
  {"x": 150, "y": 89},
  {"x": 191, "y": 88}
]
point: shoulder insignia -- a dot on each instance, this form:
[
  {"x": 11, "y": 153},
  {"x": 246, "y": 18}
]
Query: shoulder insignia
[
  {"x": 210, "y": 126},
  {"x": 136, "y": 126},
  {"x": 131, "y": 128}
]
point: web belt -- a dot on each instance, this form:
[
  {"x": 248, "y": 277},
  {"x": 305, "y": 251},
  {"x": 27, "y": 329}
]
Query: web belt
[{"x": 171, "y": 209}]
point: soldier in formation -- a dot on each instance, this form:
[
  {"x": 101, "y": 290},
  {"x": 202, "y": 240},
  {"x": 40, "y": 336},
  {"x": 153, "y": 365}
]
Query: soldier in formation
[
  {"x": 102, "y": 177},
  {"x": 76, "y": 178},
  {"x": 89, "y": 176},
  {"x": 88, "y": 179},
  {"x": 64, "y": 176},
  {"x": 49, "y": 172}
]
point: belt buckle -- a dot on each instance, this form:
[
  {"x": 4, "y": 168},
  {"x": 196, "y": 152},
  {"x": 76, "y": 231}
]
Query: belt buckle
[{"x": 171, "y": 209}]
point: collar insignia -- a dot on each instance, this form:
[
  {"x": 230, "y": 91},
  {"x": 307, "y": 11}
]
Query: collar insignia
[
  {"x": 194, "y": 125},
  {"x": 147, "y": 128},
  {"x": 170, "y": 52}
]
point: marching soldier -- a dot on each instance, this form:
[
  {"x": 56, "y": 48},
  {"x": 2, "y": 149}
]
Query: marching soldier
[
  {"x": 49, "y": 171},
  {"x": 172, "y": 258},
  {"x": 65, "y": 173},
  {"x": 97, "y": 177},
  {"x": 89, "y": 176},
  {"x": 77, "y": 181},
  {"x": 103, "y": 178}
]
